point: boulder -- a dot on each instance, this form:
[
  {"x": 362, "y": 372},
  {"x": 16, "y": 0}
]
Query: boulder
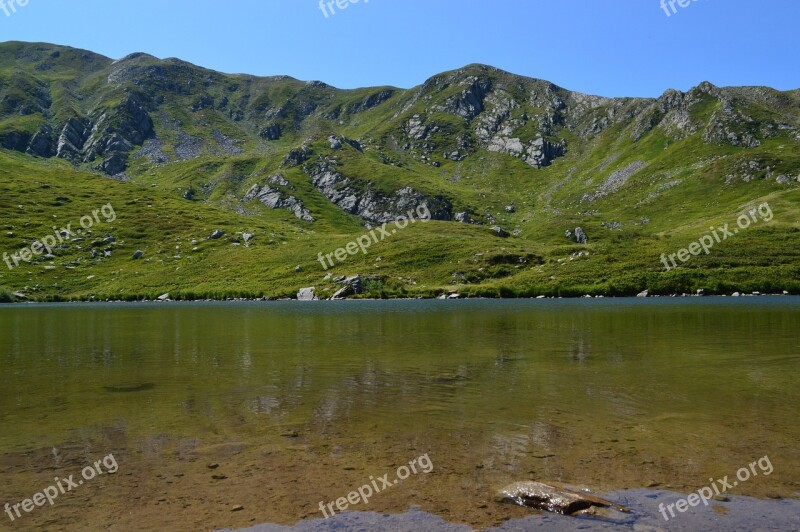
[
  {"x": 463, "y": 217},
  {"x": 342, "y": 293},
  {"x": 297, "y": 156},
  {"x": 216, "y": 235},
  {"x": 499, "y": 231},
  {"x": 307, "y": 294},
  {"x": 552, "y": 499},
  {"x": 643, "y": 294},
  {"x": 356, "y": 283},
  {"x": 580, "y": 236}
]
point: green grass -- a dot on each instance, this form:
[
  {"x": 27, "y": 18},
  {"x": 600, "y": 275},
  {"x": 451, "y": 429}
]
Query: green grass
[
  {"x": 420, "y": 261},
  {"x": 671, "y": 202}
]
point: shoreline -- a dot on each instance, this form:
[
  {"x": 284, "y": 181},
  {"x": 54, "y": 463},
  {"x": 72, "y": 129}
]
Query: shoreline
[
  {"x": 443, "y": 297},
  {"x": 729, "y": 513}
]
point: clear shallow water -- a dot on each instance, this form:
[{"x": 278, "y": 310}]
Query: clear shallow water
[{"x": 300, "y": 403}]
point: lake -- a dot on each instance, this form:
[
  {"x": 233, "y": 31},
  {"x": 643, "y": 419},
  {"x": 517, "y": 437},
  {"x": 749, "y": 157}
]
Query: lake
[{"x": 232, "y": 414}]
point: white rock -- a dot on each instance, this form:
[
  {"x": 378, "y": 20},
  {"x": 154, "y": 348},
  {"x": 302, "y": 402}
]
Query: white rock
[{"x": 307, "y": 294}]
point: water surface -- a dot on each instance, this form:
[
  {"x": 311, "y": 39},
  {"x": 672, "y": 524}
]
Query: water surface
[{"x": 293, "y": 404}]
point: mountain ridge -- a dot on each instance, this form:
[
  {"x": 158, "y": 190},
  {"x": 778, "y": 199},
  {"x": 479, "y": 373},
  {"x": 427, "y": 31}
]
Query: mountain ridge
[{"x": 483, "y": 147}]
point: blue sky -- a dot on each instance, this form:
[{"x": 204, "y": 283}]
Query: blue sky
[{"x": 606, "y": 47}]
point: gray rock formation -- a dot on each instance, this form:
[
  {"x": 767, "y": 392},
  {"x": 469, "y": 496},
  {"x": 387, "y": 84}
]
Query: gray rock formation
[
  {"x": 274, "y": 196},
  {"x": 271, "y": 132},
  {"x": 42, "y": 144},
  {"x": 307, "y": 294},
  {"x": 464, "y": 218},
  {"x": 370, "y": 205},
  {"x": 499, "y": 231},
  {"x": 580, "y": 236},
  {"x": 373, "y": 100},
  {"x": 297, "y": 156},
  {"x": 541, "y": 153}
]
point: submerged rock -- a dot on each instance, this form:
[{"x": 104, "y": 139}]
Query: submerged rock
[{"x": 552, "y": 499}]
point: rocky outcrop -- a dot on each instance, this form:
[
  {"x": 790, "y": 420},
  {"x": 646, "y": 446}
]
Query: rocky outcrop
[
  {"x": 417, "y": 129},
  {"x": 352, "y": 286},
  {"x": 373, "y": 100},
  {"x": 42, "y": 143},
  {"x": 372, "y": 206},
  {"x": 274, "y": 196},
  {"x": 116, "y": 132},
  {"x": 14, "y": 140},
  {"x": 499, "y": 231},
  {"x": 72, "y": 138},
  {"x": 580, "y": 236},
  {"x": 541, "y": 153},
  {"x": 271, "y": 132},
  {"x": 464, "y": 218},
  {"x": 538, "y": 153},
  {"x": 297, "y": 156},
  {"x": 110, "y": 138},
  {"x": 307, "y": 294},
  {"x": 469, "y": 103},
  {"x": 337, "y": 142},
  {"x": 729, "y": 125}
]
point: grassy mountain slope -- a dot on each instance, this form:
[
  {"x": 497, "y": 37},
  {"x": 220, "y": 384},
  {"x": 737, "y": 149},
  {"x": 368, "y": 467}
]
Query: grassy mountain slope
[{"x": 175, "y": 149}]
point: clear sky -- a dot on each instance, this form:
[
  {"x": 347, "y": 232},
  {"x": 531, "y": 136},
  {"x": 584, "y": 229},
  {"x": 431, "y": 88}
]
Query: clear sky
[{"x": 605, "y": 47}]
